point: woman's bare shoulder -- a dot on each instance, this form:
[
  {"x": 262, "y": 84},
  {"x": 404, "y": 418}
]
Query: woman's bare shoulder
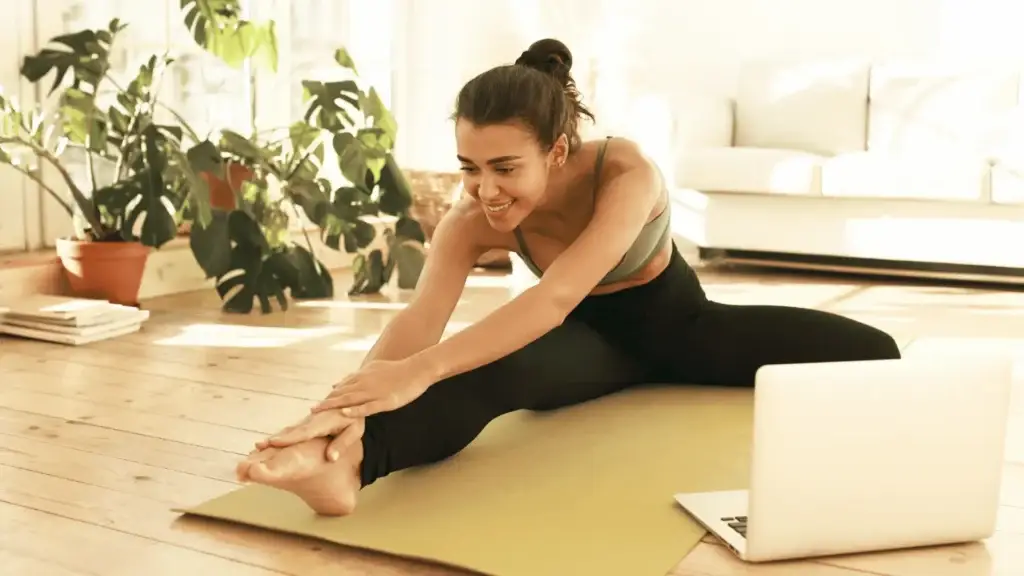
[
  {"x": 466, "y": 219},
  {"x": 625, "y": 154}
]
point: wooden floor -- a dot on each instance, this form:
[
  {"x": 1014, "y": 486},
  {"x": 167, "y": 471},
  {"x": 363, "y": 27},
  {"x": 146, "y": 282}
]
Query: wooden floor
[{"x": 97, "y": 444}]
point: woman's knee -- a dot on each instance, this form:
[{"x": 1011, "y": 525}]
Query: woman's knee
[{"x": 872, "y": 343}]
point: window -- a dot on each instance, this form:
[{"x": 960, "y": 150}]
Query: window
[{"x": 209, "y": 94}]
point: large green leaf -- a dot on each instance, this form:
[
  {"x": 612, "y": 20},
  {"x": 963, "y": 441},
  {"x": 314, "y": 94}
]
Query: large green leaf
[
  {"x": 211, "y": 245},
  {"x": 368, "y": 273},
  {"x": 205, "y": 157},
  {"x": 331, "y": 105},
  {"x": 395, "y": 190},
  {"x": 82, "y": 121},
  {"x": 373, "y": 107},
  {"x": 408, "y": 229},
  {"x": 410, "y": 259},
  {"x": 249, "y": 150},
  {"x": 358, "y": 162},
  {"x": 86, "y": 54},
  {"x": 313, "y": 279},
  {"x": 307, "y": 152},
  {"x": 312, "y": 196},
  {"x": 351, "y": 202},
  {"x": 360, "y": 234},
  {"x": 218, "y": 27},
  {"x": 142, "y": 197},
  {"x": 248, "y": 271}
]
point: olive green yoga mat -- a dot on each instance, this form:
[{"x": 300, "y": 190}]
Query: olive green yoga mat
[{"x": 581, "y": 490}]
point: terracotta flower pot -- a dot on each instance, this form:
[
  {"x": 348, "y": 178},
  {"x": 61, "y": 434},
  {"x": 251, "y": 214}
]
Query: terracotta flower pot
[
  {"x": 104, "y": 270},
  {"x": 222, "y": 192}
]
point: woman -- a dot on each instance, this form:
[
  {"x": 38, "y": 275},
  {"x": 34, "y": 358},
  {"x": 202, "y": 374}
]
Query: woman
[{"x": 616, "y": 304}]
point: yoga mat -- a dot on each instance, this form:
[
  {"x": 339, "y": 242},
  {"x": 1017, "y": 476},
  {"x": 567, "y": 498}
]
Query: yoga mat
[{"x": 585, "y": 489}]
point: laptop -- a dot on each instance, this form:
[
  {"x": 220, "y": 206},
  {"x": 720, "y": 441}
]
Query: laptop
[{"x": 864, "y": 456}]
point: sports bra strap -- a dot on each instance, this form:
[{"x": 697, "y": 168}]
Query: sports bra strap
[{"x": 599, "y": 164}]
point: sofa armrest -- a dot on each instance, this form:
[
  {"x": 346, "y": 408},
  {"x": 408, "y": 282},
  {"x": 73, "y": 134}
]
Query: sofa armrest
[{"x": 703, "y": 123}]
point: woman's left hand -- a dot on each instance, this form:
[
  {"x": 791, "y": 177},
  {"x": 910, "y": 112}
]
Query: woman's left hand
[{"x": 379, "y": 386}]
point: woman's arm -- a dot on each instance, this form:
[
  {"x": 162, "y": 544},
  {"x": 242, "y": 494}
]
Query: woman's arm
[
  {"x": 624, "y": 205},
  {"x": 454, "y": 250}
]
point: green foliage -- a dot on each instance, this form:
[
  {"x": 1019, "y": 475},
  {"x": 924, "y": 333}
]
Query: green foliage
[
  {"x": 146, "y": 177},
  {"x": 247, "y": 249},
  {"x": 233, "y": 249},
  {"x": 218, "y": 27}
]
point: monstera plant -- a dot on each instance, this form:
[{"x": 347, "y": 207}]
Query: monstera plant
[
  {"x": 220, "y": 28},
  {"x": 123, "y": 176},
  {"x": 273, "y": 174},
  {"x": 259, "y": 182}
]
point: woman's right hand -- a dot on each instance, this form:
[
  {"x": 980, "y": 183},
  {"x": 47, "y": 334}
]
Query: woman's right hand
[{"x": 346, "y": 431}]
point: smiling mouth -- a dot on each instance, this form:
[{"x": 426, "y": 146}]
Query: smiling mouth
[{"x": 495, "y": 208}]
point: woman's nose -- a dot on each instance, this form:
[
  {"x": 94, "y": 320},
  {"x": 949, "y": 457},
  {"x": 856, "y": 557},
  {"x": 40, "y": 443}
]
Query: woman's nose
[{"x": 488, "y": 189}]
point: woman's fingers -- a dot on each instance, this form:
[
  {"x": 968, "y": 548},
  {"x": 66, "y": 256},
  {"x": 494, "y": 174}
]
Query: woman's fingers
[
  {"x": 265, "y": 443},
  {"x": 368, "y": 408},
  {"x": 350, "y": 380},
  {"x": 348, "y": 398},
  {"x": 344, "y": 440},
  {"x": 310, "y": 429}
]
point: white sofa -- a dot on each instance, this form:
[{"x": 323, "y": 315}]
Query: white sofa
[{"x": 876, "y": 164}]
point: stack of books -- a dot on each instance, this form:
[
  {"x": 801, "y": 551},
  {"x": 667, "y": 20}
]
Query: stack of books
[{"x": 71, "y": 321}]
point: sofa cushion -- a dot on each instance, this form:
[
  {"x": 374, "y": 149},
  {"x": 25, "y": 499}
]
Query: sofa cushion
[
  {"x": 923, "y": 177},
  {"x": 815, "y": 107},
  {"x": 917, "y": 108},
  {"x": 753, "y": 170},
  {"x": 1007, "y": 184},
  {"x": 702, "y": 122}
]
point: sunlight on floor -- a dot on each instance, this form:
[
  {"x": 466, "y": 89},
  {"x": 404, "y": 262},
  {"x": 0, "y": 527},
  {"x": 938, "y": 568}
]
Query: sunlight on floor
[
  {"x": 364, "y": 344},
  {"x": 352, "y": 304},
  {"x": 227, "y": 336},
  {"x": 486, "y": 280},
  {"x": 356, "y": 344}
]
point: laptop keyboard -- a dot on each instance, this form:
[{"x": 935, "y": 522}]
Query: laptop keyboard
[{"x": 737, "y": 523}]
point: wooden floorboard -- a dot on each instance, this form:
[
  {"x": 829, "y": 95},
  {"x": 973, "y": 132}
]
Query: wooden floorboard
[{"x": 99, "y": 443}]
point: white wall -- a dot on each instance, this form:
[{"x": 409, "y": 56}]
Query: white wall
[{"x": 625, "y": 49}]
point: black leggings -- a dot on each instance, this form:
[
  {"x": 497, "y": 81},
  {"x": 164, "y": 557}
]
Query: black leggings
[{"x": 665, "y": 331}]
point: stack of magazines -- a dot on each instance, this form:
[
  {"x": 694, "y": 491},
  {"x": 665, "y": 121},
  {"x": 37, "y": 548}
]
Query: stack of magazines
[{"x": 66, "y": 320}]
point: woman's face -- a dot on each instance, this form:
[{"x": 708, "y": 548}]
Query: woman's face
[{"x": 505, "y": 170}]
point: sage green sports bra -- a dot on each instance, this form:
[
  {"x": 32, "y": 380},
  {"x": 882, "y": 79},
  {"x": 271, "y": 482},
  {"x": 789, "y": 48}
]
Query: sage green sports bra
[{"x": 646, "y": 246}]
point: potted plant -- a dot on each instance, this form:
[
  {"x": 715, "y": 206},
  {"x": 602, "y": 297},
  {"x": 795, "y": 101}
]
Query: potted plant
[
  {"x": 258, "y": 180},
  {"x": 125, "y": 175},
  {"x": 273, "y": 174}
]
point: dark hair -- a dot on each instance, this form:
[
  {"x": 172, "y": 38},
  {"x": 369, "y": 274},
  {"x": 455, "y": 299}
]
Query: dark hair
[{"x": 537, "y": 90}]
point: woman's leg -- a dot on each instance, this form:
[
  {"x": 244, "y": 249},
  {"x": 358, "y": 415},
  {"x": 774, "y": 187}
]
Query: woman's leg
[
  {"x": 671, "y": 325},
  {"x": 569, "y": 365},
  {"x": 725, "y": 344}
]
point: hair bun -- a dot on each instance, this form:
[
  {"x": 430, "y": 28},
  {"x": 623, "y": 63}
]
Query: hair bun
[{"x": 547, "y": 55}]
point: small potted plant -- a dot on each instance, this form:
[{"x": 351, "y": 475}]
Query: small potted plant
[{"x": 124, "y": 175}]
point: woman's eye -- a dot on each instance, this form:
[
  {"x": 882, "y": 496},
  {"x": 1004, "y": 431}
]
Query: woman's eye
[{"x": 504, "y": 170}]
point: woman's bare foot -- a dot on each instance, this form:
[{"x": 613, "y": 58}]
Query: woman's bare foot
[
  {"x": 257, "y": 455},
  {"x": 329, "y": 488}
]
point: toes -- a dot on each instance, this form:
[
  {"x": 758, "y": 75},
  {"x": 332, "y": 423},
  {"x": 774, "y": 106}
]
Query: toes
[
  {"x": 260, "y": 472},
  {"x": 242, "y": 471}
]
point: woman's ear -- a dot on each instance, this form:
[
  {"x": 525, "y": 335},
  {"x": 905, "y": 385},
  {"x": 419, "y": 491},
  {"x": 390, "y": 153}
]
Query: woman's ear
[{"x": 560, "y": 151}]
